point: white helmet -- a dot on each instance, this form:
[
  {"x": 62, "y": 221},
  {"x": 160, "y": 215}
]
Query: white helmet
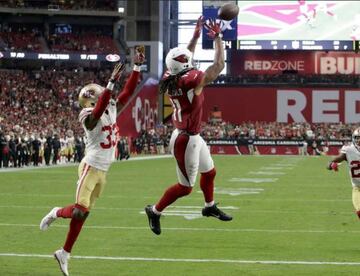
[
  {"x": 178, "y": 59},
  {"x": 89, "y": 95},
  {"x": 356, "y": 138}
]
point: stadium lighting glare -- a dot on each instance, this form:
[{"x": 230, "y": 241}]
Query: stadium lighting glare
[{"x": 121, "y": 10}]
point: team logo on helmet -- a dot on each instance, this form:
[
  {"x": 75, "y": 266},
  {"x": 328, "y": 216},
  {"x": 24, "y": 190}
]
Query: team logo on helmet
[
  {"x": 178, "y": 59},
  {"x": 356, "y": 138},
  {"x": 89, "y": 94}
]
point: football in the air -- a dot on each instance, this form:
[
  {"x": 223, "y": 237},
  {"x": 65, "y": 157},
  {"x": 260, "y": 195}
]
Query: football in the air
[{"x": 228, "y": 11}]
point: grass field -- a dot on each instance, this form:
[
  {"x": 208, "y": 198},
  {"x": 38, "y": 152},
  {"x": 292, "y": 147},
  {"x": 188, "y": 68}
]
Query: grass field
[{"x": 291, "y": 217}]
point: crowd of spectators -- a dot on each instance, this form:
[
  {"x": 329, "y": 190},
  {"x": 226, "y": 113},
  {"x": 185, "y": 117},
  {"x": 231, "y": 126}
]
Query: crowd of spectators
[
  {"x": 42, "y": 101},
  {"x": 298, "y": 80},
  {"x": 275, "y": 130},
  {"x": 74, "y": 38},
  {"x": 106, "y": 5},
  {"x": 84, "y": 43},
  {"x": 156, "y": 141},
  {"x": 38, "y": 110},
  {"x": 24, "y": 38},
  {"x": 153, "y": 141}
]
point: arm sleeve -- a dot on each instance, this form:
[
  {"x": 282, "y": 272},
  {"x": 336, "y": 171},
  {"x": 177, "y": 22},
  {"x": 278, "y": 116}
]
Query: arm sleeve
[
  {"x": 101, "y": 104},
  {"x": 129, "y": 88}
]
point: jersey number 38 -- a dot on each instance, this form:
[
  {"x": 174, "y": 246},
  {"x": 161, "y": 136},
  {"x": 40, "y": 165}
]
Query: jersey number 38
[{"x": 110, "y": 139}]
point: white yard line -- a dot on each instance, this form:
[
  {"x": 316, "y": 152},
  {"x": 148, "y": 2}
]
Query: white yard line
[
  {"x": 146, "y": 259},
  {"x": 194, "y": 229}
]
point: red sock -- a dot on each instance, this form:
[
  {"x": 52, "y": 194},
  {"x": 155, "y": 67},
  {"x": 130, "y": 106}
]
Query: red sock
[
  {"x": 207, "y": 185},
  {"x": 74, "y": 231},
  {"x": 171, "y": 195},
  {"x": 358, "y": 214},
  {"x": 65, "y": 212}
]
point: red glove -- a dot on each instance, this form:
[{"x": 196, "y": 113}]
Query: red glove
[
  {"x": 199, "y": 24},
  {"x": 333, "y": 166},
  {"x": 213, "y": 28}
]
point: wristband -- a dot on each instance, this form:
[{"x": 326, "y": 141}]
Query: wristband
[
  {"x": 137, "y": 68},
  {"x": 110, "y": 85}
]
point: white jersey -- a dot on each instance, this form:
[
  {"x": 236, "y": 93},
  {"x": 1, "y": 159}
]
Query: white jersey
[
  {"x": 70, "y": 142},
  {"x": 353, "y": 160},
  {"x": 100, "y": 142}
]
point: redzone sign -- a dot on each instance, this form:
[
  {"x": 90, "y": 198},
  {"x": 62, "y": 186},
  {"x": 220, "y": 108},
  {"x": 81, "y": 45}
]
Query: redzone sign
[
  {"x": 273, "y": 65},
  {"x": 284, "y": 105},
  {"x": 304, "y": 62}
]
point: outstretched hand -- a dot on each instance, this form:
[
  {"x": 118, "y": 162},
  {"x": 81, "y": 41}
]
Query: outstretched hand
[
  {"x": 213, "y": 28},
  {"x": 116, "y": 73},
  {"x": 200, "y": 22}
]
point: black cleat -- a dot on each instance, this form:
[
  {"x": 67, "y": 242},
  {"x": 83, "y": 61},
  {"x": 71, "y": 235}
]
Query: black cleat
[
  {"x": 214, "y": 211},
  {"x": 154, "y": 220}
]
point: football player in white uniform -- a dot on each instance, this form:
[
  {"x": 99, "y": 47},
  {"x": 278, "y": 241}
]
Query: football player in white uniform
[
  {"x": 351, "y": 154},
  {"x": 98, "y": 118}
]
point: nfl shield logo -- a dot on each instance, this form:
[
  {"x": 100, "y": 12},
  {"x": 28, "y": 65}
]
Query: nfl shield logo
[{"x": 295, "y": 44}]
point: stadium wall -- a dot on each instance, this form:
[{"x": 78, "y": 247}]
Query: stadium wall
[
  {"x": 317, "y": 105},
  {"x": 141, "y": 113}
]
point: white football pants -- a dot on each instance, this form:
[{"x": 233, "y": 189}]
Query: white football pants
[{"x": 192, "y": 156}]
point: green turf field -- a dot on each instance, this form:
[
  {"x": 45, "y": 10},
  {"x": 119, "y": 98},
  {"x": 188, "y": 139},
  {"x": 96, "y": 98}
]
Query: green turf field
[{"x": 301, "y": 213}]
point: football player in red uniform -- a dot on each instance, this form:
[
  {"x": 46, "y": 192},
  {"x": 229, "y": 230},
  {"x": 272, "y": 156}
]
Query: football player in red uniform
[
  {"x": 98, "y": 118},
  {"x": 184, "y": 86}
]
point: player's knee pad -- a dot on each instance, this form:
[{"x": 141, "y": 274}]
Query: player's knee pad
[
  {"x": 80, "y": 214},
  {"x": 184, "y": 190},
  {"x": 210, "y": 175}
]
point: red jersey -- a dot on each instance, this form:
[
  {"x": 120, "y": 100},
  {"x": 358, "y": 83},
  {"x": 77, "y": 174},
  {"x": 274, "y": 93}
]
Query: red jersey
[{"x": 188, "y": 107}]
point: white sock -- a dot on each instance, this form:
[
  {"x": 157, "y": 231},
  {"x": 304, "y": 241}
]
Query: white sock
[
  {"x": 156, "y": 211},
  {"x": 209, "y": 204},
  {"x": 67, "y": 254}
]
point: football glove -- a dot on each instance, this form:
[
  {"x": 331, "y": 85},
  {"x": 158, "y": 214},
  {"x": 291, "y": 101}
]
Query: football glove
[
  {"x": 213, "y": 28},
  {"x": 333, "y": 166},
  {"x": 139, "y": 57}
]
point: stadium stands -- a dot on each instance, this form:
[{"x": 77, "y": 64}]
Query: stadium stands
[
  {"x": 107, "y": 5},
  {"x": 90, "y": 43},
  {"x": 44, "y": 104},
  {"x": 20, "y": 39}
]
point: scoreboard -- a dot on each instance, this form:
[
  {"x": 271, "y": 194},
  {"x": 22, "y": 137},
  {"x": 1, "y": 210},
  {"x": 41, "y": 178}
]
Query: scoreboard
[{"x": 290, "y": 25}]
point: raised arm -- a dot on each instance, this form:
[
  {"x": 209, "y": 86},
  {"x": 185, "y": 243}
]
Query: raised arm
[
  {"x": 132, "y": 81},
  {"x": 104, "y": 98},
  {"x": 213, "y": 71},
  {"x": 192, "y": 44}
]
